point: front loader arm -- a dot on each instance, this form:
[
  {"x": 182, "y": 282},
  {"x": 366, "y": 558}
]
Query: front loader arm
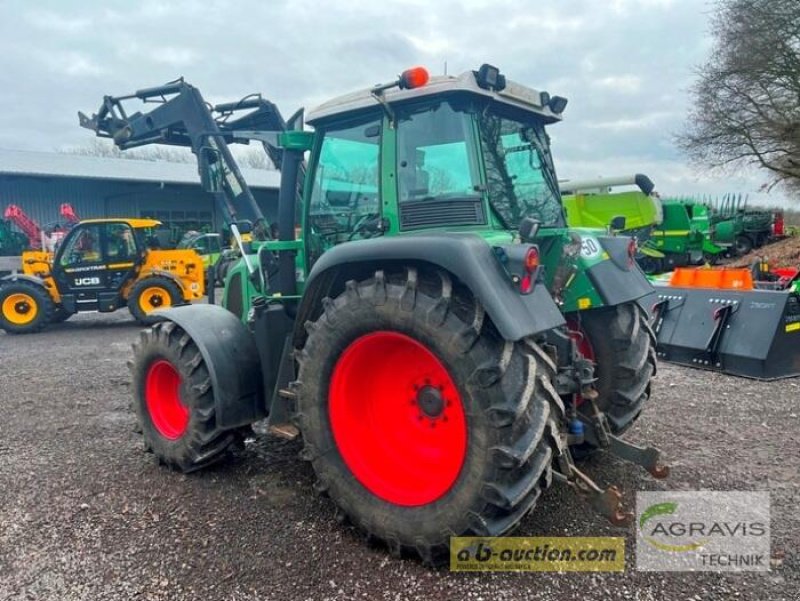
[{"x": 182, "y": 117}]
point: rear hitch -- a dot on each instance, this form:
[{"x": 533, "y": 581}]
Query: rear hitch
[
  {"x": 607, "y": 502},
  {"x": 599, "y": 433}
]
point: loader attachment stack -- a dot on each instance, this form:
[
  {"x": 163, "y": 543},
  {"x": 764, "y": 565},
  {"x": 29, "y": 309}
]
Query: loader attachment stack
[{"x": 721, "y": 320}]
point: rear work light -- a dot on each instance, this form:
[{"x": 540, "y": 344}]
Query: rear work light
[{"x": 530, "y": 265}]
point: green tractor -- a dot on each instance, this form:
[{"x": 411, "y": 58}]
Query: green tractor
[{"x": 425, "y": 320}]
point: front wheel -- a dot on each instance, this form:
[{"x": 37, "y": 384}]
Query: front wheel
[
  {"x": 174, "y": 401},
  {"x": 421, "y": 422},
  {"x": 25, "y": 307},
  {"x": 621, "y": 343},
  {"x": 150, "y": 294}
]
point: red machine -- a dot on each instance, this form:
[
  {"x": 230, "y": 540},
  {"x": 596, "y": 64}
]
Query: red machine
[
  {"x": 68, "y": 213},
  {"x": 27, "y": 225}
]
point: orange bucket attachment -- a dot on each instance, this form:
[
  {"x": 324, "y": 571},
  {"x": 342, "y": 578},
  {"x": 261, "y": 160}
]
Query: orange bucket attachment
[{"x": 720, "y": 278}]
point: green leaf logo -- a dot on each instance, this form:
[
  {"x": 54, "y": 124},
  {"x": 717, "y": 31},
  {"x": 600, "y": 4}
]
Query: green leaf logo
[{"x": 665, "y": 509}]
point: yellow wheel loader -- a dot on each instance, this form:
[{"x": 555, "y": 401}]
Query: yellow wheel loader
[{"x": 101, "y": 265}]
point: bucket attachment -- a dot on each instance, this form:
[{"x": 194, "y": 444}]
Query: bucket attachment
[{"x": 745, "y": 332}]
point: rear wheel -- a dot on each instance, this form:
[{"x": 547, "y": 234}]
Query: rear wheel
[
  {"x": 621, "y": 343},
  {"x": 150, "y": 294},
  {"x": 174, "y": 402},
  {"x": 742, "y": 245},
  {"x": 25, "y": 307},
  {"x": 421, "y": 422}
]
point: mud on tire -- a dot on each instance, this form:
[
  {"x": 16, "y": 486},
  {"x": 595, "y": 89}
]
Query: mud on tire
[
  {"x": 184, "y": 445},
  {"x": 512, "y": 413}
]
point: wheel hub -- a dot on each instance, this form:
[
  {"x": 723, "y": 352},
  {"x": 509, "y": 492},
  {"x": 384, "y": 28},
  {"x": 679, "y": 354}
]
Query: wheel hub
[
  {"x": 22, "y": 307},
  {"x": 397, "y": 418},
  {"x": 430, "y": 401},
  {"x": 169, "y": 415}
]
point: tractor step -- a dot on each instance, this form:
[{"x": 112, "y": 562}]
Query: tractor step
[{"x": 285, "y": 431}]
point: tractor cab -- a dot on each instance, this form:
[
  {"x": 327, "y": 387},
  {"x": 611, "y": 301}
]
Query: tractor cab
[
  {"x": 461, "y": 153},
  {"x": 96, "y": 259}
]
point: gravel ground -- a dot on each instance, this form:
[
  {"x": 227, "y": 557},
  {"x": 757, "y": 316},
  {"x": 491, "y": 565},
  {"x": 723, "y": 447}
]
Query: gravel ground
[{"x": 85, "y": 514}]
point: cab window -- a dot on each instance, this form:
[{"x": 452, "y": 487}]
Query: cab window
[
  {"x": 120, "y": 242},
  {"x": 434, "y": 157},
  {"x": 84, "y": 246}
]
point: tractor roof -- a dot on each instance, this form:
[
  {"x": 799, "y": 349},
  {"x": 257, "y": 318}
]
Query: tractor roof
[
  {"x": 514, "y": 94},
  {"x": 134, "y": 223}
]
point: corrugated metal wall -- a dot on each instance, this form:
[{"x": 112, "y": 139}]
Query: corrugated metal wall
[{"x": 40, "y": 198}]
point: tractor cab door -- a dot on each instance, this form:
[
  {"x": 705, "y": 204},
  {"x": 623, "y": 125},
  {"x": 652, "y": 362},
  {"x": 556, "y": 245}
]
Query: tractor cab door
[
  {"x": 344, "y": 203},
  {"x": 93, "y": 264}
]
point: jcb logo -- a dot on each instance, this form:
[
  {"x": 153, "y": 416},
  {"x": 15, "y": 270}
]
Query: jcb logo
[{"x": 87, "y": 281}]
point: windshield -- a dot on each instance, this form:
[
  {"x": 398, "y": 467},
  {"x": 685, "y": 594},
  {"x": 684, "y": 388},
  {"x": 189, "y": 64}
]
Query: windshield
[{"x": 520, "y": 176}]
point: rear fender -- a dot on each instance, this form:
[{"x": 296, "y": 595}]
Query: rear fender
[
  {"x": 229, "y": 351},
  {"x": 467, "y": 257},
  {"x": 605, "y": 275}
]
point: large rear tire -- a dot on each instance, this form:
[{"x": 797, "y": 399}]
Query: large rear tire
[
  {"x": 25, "y": 307},
  {"x": 420, "y": 421},
  {"x": 622, "y": 344},
  {"x": 174, "y": 402},
  {"x": 150, "y": 294}
]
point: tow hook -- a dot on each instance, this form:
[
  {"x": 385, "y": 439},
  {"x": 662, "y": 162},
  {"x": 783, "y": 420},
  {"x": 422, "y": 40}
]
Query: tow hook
[
  {"x": 607, "y": 502},
  {"x": 599, "y": 433}
]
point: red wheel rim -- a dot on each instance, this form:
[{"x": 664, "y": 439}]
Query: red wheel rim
[
  {"x": 169, "y": 415},
  {"x": 397, "y": 419},
  {"x": 585, "y": 348}
]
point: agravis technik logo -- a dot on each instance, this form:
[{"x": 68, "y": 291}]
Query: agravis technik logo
[{"x": 703, "y": 531}]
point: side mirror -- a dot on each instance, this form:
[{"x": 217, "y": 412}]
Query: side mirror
[
  {"x": 528, "y": 228},
  {"x": 617, "y": 224},
  {"x": 210, "y": 168}
]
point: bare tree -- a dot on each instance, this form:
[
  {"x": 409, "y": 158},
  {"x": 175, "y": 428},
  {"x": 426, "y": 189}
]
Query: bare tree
[
  {"x": 746, "y": 108},
  {"x": 97, "y": 147},
  {"x": 253, "y": 158}
]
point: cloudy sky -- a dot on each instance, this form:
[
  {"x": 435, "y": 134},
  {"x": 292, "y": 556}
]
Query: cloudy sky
[{"x": 625, "y": 65}]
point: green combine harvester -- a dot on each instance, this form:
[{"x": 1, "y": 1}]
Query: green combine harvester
[
  {"x": 739, "y": 228},
  {"x": 669, "y": 233},
  {"x": 428, "y": 323},
  {"x": 684, "y": 237},
  {"x": 595, "y": 203}
]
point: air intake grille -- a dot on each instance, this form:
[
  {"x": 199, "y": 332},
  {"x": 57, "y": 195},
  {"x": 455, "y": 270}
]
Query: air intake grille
[{"x": 430, "y": 213}]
